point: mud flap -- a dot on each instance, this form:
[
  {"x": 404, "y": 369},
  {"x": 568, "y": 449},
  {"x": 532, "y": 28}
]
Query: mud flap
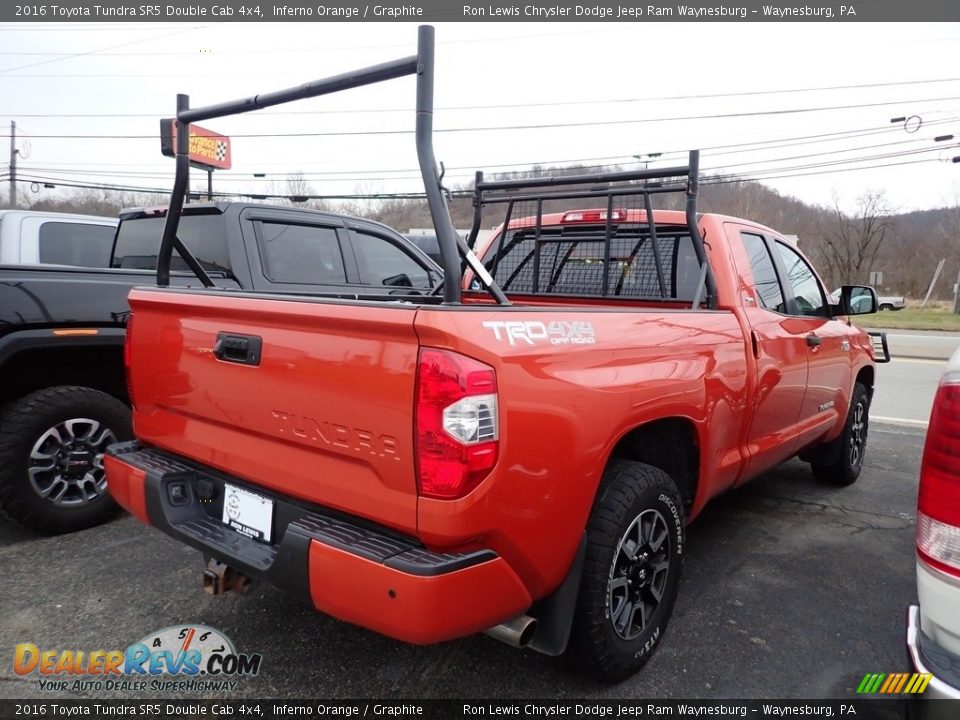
[{"x": 554, "y": 614}]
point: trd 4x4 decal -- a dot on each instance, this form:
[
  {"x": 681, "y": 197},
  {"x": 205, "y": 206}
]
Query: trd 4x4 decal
[{"x": 557, "y": 332}]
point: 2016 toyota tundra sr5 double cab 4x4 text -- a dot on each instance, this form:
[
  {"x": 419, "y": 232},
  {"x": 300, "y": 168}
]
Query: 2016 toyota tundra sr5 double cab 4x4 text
[{"x": 519, "y": 454}]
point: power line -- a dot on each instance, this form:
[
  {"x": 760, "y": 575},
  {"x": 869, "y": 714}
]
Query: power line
[
  {"x": 718, "y": 177},
  {"x": 378, "y": 175},
  {"x": 750, "y": 146},
  {"x": 397, "y": 174},
  {"x": 621, "y": 159},
  {"x": 96, "y": 51},
  {"x": 538, "y": 126},
  {"x": 508, "y": 106}
]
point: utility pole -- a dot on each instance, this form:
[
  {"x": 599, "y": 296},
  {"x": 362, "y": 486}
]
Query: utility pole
[
  {"x": 956, "y": 295},
  {"x": 13, "y": 164}
]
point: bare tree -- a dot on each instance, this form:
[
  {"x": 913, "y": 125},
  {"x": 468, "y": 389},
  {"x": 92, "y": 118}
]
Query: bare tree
[
  {"x": 850, "y": 243},
  {"x": 298, "y": 189}
]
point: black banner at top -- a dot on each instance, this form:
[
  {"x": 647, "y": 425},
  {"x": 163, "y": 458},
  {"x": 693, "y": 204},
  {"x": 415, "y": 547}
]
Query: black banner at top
[{"x": 482, "y": 11}]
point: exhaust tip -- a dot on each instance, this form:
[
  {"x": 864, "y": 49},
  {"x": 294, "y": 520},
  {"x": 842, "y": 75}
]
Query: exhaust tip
[
  {"x": 517, "y": 632},
  {"x": 529, "y": 630}
]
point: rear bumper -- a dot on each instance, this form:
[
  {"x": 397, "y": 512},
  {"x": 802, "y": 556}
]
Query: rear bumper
[
  {"x": 927, "y": 657},
  {"x": 345, "y": 567}
]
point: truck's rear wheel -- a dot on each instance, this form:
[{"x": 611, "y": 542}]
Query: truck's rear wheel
[
  {"x": 51, "y": 457},
  {"x": 852, "y": 442},
  {"x": 631, "y": 572}
]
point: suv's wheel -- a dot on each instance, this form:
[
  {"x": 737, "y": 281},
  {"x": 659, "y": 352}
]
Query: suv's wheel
[
  {"x": 631, "y": 571},
  {"x": 853, "y": 442},
  {"x": 51, "y": 457}
]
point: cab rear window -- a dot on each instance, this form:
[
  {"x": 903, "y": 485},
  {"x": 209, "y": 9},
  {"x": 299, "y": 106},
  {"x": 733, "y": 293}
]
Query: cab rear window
[
  {"x": 573, "y": 262},
  {"x": 138, "y": 241}
]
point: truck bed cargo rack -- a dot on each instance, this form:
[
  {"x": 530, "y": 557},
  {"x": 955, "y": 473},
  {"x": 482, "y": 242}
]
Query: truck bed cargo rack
[
  {"x": 641, "y": 184},
  {"x": 452, "y": 246}
]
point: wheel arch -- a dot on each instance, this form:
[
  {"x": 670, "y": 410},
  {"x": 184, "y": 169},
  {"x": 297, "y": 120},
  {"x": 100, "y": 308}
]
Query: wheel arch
[
  {"x": 671, "y": 444},
  {"x": 36, "y": 359},
  {"x": 866, "y": 375}
]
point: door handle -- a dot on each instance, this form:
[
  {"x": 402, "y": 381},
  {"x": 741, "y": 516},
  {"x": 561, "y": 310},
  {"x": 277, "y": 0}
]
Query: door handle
[
  {"x": 242, "y": 349},
  {"x": 813, "y": 340}
]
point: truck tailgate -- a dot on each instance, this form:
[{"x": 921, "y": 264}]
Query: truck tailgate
[{"x": 321, "y": 412}]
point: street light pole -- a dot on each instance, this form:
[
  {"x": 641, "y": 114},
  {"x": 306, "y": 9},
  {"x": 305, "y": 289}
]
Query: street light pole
[{"x": 13, "y": 164}]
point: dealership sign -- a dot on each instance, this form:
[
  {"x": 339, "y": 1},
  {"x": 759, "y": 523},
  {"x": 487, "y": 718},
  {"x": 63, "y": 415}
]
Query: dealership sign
[{"x": 207, "y": 148}]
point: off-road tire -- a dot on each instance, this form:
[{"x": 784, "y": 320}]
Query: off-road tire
[
  {"x": 852, "y": 441},
  {"x": 23, "y": 422},
  {"x": 629, "y": 492}
]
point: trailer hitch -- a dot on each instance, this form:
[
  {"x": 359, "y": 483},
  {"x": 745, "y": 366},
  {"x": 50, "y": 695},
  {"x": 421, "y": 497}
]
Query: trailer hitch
[{"x": 218, "y": 578}]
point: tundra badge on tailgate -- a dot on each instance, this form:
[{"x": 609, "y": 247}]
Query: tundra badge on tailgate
[{"x": 558, "y": 332}]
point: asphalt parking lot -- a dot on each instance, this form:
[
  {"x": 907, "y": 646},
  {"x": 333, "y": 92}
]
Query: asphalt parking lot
[{"x": 791, "y": 589}]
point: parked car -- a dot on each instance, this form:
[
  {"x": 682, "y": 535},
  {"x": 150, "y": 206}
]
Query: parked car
[
  {"x": 427, "y": 240},
  {"x": 63, "y": 397},
  {"x": 933, "y": 626},
  {"x": 29, "y": 237},
  {"x": 521, "y": 460},
  {"x": 884, "y": 302}
]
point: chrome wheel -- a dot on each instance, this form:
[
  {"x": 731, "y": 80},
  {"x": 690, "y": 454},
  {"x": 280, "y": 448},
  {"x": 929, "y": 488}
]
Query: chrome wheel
[
  {"x": 638, "y": 574},
  {"x": 858, "y": 435},
  {"x": 66, "y": 462}
]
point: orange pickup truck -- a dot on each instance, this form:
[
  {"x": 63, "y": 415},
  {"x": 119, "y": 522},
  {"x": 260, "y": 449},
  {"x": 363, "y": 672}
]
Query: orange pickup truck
[{"x": 518, "y": 452}]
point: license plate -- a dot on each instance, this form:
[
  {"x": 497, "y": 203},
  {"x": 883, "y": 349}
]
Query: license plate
[{"x": 247, "y": 512}]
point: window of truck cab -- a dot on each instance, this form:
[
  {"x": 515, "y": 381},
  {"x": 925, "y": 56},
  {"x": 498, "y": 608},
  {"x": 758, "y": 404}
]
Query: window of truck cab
[
  {"x": 300, "y": 254},
  {"x": 809, "y": 299},
  {"x": 73, "y": 243},
  {"x": 138, "y": 241},
  {"x": 572, "y": 261},
  {"x": 766, "y": 281},
  {"x": 382, "y": 262}
]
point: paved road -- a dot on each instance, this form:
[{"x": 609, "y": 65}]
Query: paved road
[
  {"x": 922, "y": 344},
  {"x": 905, "y": 389},
  {"x": 792, "y": 588}
]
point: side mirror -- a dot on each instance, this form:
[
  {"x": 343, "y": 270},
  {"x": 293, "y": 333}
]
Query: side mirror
[{"x": 857, "y": 300}]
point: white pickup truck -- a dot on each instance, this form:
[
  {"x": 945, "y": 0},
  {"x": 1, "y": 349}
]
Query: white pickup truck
[
  {"x": 884, "y": 302},
  {"x": 29, "y": 237}
]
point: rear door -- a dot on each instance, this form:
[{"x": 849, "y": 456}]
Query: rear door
[{"x": 779, "y": 347}]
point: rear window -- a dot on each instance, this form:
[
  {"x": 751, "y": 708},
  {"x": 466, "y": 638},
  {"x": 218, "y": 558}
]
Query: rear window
[
  {"x": 571, "y": 262},
  {"x": 205, "y": 235},
  {"x": 82, "y": 244}
]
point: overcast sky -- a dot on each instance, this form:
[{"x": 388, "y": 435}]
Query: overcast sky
[{"x": 627, "y": 76}]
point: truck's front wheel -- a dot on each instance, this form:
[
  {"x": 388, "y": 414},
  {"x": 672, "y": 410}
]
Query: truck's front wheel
[
  {"x": 851, "y": 446},
  {"x": 631, "y": 572},
  {"x": 51, "y": 457}
]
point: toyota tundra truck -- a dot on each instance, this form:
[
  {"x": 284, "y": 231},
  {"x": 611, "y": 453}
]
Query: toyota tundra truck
[{"x": 518, "y": 452}]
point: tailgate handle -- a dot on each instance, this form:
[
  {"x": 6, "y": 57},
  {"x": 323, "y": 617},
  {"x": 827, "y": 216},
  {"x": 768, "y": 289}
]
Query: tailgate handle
[{"x": 242, "y": 349}]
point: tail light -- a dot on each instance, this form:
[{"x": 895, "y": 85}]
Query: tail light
[
  {"x": 457, "y": 426},
  {"x": 126, "y": 357},
  {"x": 938, "y": 516}
]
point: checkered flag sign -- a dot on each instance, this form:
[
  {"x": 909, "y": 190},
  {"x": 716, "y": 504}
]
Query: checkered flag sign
[{"x": 221, "y": 150}]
